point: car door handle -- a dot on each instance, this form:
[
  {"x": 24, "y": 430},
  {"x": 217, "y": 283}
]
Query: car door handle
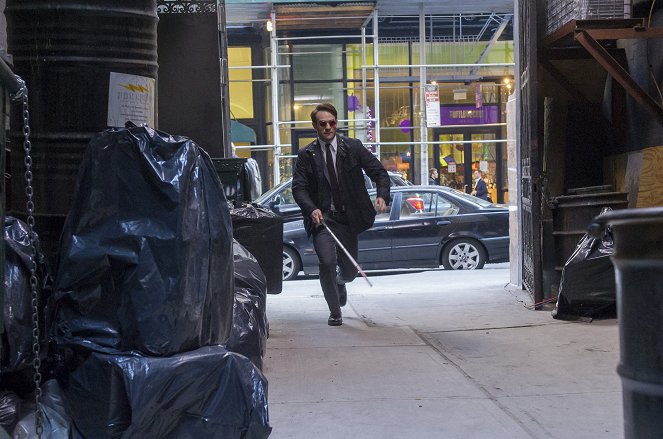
[
  {"x": 380, "y": 229},
  {"x": 443, "y": 222}
]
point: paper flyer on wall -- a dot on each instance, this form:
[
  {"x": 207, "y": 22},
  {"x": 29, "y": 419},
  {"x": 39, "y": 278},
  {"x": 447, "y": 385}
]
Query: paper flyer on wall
[{"x": 130, "y": 98}]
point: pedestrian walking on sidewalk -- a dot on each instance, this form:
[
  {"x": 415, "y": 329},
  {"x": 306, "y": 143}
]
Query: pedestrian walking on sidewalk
[{"x": 328, "y": 185}]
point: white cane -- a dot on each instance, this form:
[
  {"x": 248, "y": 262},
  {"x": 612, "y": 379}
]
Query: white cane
[{"x": 347, "y": 253}]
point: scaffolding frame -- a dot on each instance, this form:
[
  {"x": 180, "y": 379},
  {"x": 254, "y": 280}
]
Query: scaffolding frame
[{"x": 372, "y": 19}]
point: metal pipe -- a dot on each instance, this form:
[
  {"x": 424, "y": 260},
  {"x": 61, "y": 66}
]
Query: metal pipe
[
  {"x": 282, "y": 66},
  {"x": 423, "y": 129},
  {"x": 363, "y": 70},
  {"x": 275, "y": 99},
  {"x": 439, "y": 66},
  {"x": 320, "y": 37},
  {"x": 376, "y": 82},
  {"x": 447, "y": 142},
  {"x": 319, "y": 53},
  {"x": 291, "y": 122}
]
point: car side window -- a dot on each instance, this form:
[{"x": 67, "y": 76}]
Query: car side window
[
  {"x": 381, "y": 216},
  {"x": 446, "y": 207},
  {"x": 418, "y": 204}
]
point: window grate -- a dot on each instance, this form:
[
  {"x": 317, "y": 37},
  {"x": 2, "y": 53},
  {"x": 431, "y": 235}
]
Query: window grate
[{"x": 560, "y": 12}]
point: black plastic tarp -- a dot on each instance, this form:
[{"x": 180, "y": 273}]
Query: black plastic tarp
[
  {"x": 16, "y": 357},
  {"x": 250, "y": 325},
  {"x": 261, "y": 231},
  {"x": 207, "y": 393},
  {"x": 587, "y": 287},
  {"x": 145, "y": 259}
]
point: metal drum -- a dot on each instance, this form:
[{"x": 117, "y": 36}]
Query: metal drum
[
  {"x": 573, "y": 213},
  {"x": 638, "y": 261},
  {"x": 65, "y": 52}
]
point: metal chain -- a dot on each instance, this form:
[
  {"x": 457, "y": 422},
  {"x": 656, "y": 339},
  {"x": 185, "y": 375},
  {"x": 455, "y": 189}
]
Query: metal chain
[{"x": 22, "y": 94}]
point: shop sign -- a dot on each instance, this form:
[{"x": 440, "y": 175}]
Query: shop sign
[
  {"x": 469, "y": 114},
  {"x": 432, "y": 105}
]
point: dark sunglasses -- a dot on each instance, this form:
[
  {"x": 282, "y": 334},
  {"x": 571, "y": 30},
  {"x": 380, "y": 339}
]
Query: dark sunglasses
[{"x": 324, "y": 123}]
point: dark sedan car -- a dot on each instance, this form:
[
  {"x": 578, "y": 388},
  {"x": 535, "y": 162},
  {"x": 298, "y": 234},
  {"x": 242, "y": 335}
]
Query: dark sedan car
[
  {"x": 424, "y": 227},
  {"x": 280, "y": 200}
]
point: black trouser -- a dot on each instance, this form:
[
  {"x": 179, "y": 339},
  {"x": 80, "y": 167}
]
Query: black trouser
[{"x": 331, "y": 256}]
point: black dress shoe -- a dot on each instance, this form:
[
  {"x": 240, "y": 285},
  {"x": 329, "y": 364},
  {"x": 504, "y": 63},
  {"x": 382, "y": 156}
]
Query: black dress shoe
[
  {"x": 335, "y": 321},
  {"x": 342, "y": 294}
]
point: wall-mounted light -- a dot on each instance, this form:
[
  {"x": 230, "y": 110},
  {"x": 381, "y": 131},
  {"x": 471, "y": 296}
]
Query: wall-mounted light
[
  {"x": 433, "y": 82},
  {"x": 269, "y": 26}
]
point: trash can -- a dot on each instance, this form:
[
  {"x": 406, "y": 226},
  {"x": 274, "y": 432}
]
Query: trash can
[
  {"x": 261, "y": 231},
  {"x": 232, "y": 172},
  {"x": 638, "y": 261}
]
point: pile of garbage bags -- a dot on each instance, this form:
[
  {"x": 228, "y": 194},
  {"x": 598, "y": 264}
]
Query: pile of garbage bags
[
  {"x": 152, "y": 304},
  {"x": 250, "y": 326},
  {"x": 587, "y": 288}
]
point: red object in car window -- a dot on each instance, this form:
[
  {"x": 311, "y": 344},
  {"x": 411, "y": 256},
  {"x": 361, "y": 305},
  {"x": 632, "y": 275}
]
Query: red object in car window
[{"x": 416, "y": 203}]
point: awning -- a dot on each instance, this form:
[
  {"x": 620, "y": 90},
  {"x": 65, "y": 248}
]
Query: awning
[{"x": 240, "y": 133}]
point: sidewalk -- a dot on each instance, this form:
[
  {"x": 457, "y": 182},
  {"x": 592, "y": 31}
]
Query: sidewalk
[{"x": 437, "y": 354}]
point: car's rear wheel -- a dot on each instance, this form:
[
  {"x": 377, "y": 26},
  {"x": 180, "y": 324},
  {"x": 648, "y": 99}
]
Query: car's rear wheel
[
  {"x": 291, "y": 265},
  {"x": 463, "y": 254}
]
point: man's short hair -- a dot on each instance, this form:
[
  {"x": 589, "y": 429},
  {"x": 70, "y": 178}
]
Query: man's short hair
[
  {"x": 323, "y": 107},
  {"x": 431, "y": 170}
]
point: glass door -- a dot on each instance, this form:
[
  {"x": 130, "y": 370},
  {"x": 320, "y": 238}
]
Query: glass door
[
  {"x": 449, "y": 159},
  {"x": 484, "y": 160},
  {"x": 475, "y": 150}
]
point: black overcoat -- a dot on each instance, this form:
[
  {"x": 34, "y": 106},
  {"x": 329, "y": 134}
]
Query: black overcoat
[{"x": 309, "y": 182}]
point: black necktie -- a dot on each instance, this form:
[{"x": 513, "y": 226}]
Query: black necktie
[{"x": 333, "y": 181}]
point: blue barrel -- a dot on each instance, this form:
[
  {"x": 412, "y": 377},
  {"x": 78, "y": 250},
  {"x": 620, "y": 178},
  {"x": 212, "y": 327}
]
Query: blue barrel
[
  {"x": 65, "y": 51},
  {"x": 638, "y": 262}
]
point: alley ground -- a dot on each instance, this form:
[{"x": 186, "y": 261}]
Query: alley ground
[{"x": 437, "y": 354}]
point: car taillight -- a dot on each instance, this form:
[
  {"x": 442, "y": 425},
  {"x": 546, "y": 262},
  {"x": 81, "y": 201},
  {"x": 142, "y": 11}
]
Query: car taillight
[{"x": 416, "y": 203}]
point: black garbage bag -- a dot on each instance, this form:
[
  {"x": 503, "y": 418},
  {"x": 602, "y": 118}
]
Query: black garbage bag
[
  {"x": 145, "y": 258},
  {"x": 55, "y": 421},
  {"x": 261, "y": 231},
  {"x": 16, "y": 356},
  {"x": 206, "y": 393},
  {"x": 250, "y": 326},
  {"x": 587, "y": 287},
  {"x": 10, "y": 410},
  {"x": 248, "y": 273}
]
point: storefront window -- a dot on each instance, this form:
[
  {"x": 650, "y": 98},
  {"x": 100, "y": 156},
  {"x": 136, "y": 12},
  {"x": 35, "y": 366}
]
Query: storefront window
[
  {"x": 240, "y": 85},
  {"x": 452, "y": 160}
]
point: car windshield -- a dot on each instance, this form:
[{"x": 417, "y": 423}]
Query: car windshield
[
  {"x": 272, "y": 191},
  {"x": 398, "y": 180}
]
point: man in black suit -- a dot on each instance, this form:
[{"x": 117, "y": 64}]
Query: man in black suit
[
  {"x": 328, "y": 184},
  {"x": 480, "y": 187}
]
